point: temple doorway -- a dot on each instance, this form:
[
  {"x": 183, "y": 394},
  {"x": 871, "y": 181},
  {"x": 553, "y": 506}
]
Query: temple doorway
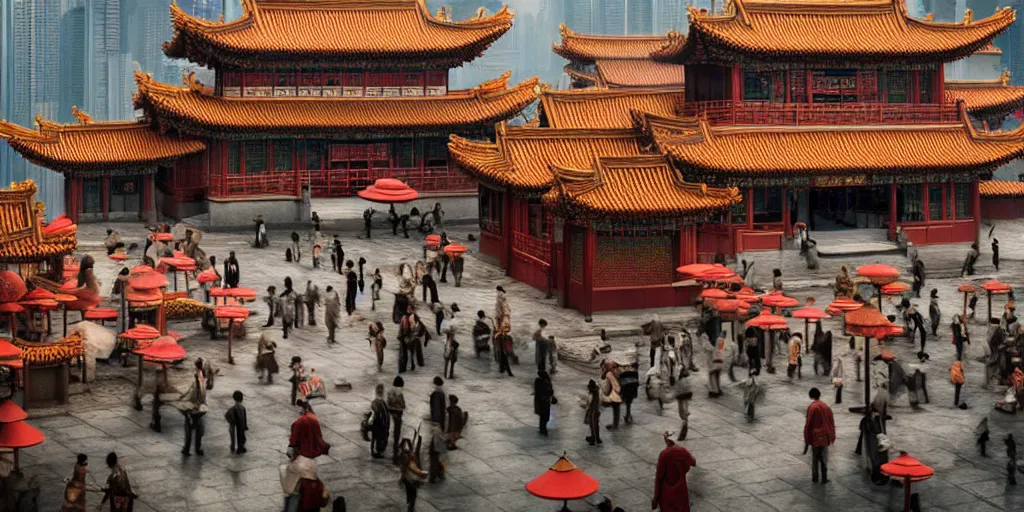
[{"x": 856, "y": 207}]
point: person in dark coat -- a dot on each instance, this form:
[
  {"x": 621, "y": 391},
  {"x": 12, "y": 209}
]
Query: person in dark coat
[
  {"x": 231, "y": 271},
  {"x": 361, "y": 263},
  {"x": 443, "y": 256},
  {"x": 592, "y": 414},
  {"x": 429, "y": 285},
  {"x": 237, "y": 424},
  {"x": 380, "y": 424},
  {"x": 995, "y": 253},
  {"x": 351, "y": 287},
  {"x": 337, "y": 256},
  {"x": 458, "y": 266},
  {"x": 959, "y": 336},
  {"x": 918, "y": 272},
  {"x": 934, "y": 313},
  {"x": 629, "y": 383},
  {"x": 543, "y": 397},
  {"x": 456, "y": 422},
  {"x": 969, "y": 260}
]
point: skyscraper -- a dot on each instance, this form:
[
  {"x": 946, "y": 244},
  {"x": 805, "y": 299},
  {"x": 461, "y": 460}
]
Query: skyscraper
[
  {"x": 670, "y": 15},
  {"x": 232, "y": 10},
  {"x": 102, "y": 43},
  {"x": 72, "y": 60},
  {"x": 206, "y": 9},
  {"x": 639, "y": 17}
]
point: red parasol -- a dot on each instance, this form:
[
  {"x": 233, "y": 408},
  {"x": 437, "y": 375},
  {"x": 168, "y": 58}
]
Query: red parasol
[
  {"x": 994, "y": 287},
  {"x": 208, "y": 276},
  {"x": 714, "y": 293},
  {"x": 38, "y": 294},
  {"x": 966, "y": 289},
  {"x": 241, "y": 293},
  {"x": 879, "y": 274},
  {"x": 895, "y": 288},
  {"x": 8, "y": 350},
  {"x": 909, "y": 470},
  {"x": 145, "y": 278},
  {"x": 563, "y": 481},
  {"x": 388, "y": 190},
  {"x": 715, "y": 274},
  {"x": 141, "y": 332},
  {"x": 808, "y": 314},
  {"x": 143, "y": 298},
  {"x": 454, "y": 250},
  {"x": 695, "y": 269},
  {"x": 766, "y": 321},
  {"x": 163, "y": 350},
  {"x": 12, "y": 286},
  {"x": 432, "y": 241},
  {"x": 10, "y": 412},
  {"x": 869, "y": 322},
  {"x": 20, "y": 435},
  {"x": 118, "y": 256},
  {"x": 843, "y": 305},
  {"x": 161, "y": 237},
  {"x": 62, "y": 222},
  {"x": 231, "y": 313},
  {"x": 778, "y": 300}
]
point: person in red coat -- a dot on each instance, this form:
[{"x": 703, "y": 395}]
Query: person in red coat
[
  {"x": 306, "y": 438},
  {"x": 670, "y": 491},
  {"x": 819, "y": 433}
]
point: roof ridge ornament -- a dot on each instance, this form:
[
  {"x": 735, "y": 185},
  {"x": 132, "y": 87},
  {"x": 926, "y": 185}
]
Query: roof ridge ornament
[
  {"x": 968, "y": 16},
  {"x": 564, "y": 30},
  {"x": 188, "y": 78},
  {"x": 443, "y": 14},
  {"x": 1004, "y": 77},
  {"x": 929, "y": 17},
  {"x": 83, "y": 118}
]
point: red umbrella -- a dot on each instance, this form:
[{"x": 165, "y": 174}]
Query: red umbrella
[
  {"x": 455, "y": 250},
  {"x": 118, "y": 256},
  {"x": 843, "y": 305},
  {"x": 208, "y": 276},
  {"x": 19, "y": 435},
  {"x": 231, "y": 313},
  {"x": 9, "y": 351},
  {"x": 895, "y": 288},
  {"x": 432, "y": 241},
  {"x": 563, "y": 482},
  {"x": 694, "y": 269},
  {"x": 161, "y": 237},
  {"x": 766, "y": 320},
  {"x": 714, "y": 293},
  {"x": 38, "y": 294},
  {"x": 994, "y": 287},
  {"x": 879, "y": 274},
  {"x": 715, "y": 274},
  {"x": 808, "y": 313},
  {"x": 145, "y": 278},
  {"x": 778, "y": 300},
  {"x": 388, "y": 190},
  {"x": 164, "y": 350},
  {"x": 870, "y": 323},
  {"x": 10, "y": 412},
  {"x": 12, "y": 286},
  {"x": 966, "y": 289},
  {"x": 909, "y": 470}
]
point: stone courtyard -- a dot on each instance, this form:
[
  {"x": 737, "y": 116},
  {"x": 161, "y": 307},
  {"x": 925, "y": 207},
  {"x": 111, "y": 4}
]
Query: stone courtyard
[{"x": 740, "y": 465}]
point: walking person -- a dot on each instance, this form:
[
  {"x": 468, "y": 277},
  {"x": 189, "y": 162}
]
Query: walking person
[
  {"x": 396, "y": 407},
  {"x": 337, "y": 255},
  {"x": 629, "y": 382},
  {"x": 956, "y": 376},
  {"x": 412, "y": 477},
  {"x": 351, "y": 287},
  {"x": 273, "y": 305},
  {"x": 683, "y": 395},
  {"x": 795, "y": 360},
  {"x": 503, "y": 342},
  {"x": 380, "y": 423},
  {"x": 670, "y": 491},
  {"x": 592, "y": 416},
  {"x": 74, "y": 490},
  {"x": 457, "y": 419},
  {"x": 716, "y": 363},
  {"x": 541, "y": 345},
  {"x": 119, "y": 487},
  {"x": 194, "y": 410},
  {"x": 995, "y": 253},
  {"x": 934, "y": 313},
  {"x": 543, "y": 399},
  {"x": 656, "y": 331},
  {"x": 919, "y": 277},
  {"x": 287, "y": 310},
  {"x": 837, "y": 376},
  {"x": 611, "y": 391},
  {"x": 266, "y": 358},
  {"x": 332, "y": 313},
  {"x": 960, "y": 336},
  {"x": 377, "y": 342},
  {"x": 819, "y": 434},
  {"x": 297, "y": 377},
  {"x": 438, "y": 424},
  {"x": 969, "y": 260},
  {"x": 237, "y": 424},
  {"x": 375, "y": 287},
  {"x": 311, "y": 299}
]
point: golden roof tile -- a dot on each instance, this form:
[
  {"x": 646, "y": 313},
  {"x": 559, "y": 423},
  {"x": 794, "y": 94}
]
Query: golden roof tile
[
  {"x": 862, "y": 149},
  {"x": 520, "y": 158},
  {"x": 195, "y": 113},
  {"x": 1001, "y": 188},
  {"x": 861, "y": 30},
  {"x": 636, "y": 186},
  {"x": 96, "y": 146},
  {"x": 21, "y": 237},
  {"x": 605, "y": 108},
  {"x": 984, "y": 98},
  {"x": 290, "y": 33},
  {"x": 589, "y": 47},
  {"x": 639, "y": 73}
]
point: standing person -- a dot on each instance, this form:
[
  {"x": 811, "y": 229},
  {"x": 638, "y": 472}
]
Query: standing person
[
  {"x": 74, "y": 491},
  {"x": 361, "y": 262},
  {"x": 837, "y": 376},
  {"x": 412, "y": 477},
  {"x": 502, "y": 311},
  {"x": 753, "y": 393},
  {"x": 232, "y": 273},
  {"x": 375, "y": 287},
  {"x": 995, "y": 253},
  {"x": 195, "y": 410},
  {"x": 288, "y": 298},
  {"x": 541, "y": 347},
  {"x": 916, "y": 321},
  {"x": 683, "y": 394},
  {"x": 795, "y": 361},
  {"x": 351, "y": 287},
  {"x": 380, "y": 421},
  {"x": 543, "y": 398},
  {"x": 481, "y": 333},
  {"x": 686, "y": 350},
  {"x": 266, "y": 358},
  {"x": 377, "y": 341},
  {"x": 119, "y": 487},
  {"x": 971, "y": 305},
  {"x": 414, "y": 336},
  {"x": 629, "y": 382},
  {"x": 959, "y": 335},
  {"x": 295, "y": 252},
  {"x": 367, "y": 221},
  {"x": 456, "y": 422},
  {"x": 297, "y": 377},
  {"x": 819, "y": 434},
  {"x": 451, "y": 345},
  {"x": 670, "y": 491},
  {"x": 592, "y": 416},
  {"x": 753, "y": 352},
  {"x": 956, "y": 376},
  {"x": 438, "y": 424},
  {"x": 919, "y": 277},
  {"x": 306, "y": 438},
  {"x": 396, "y": 407},
  {"x": 332, "y": 313},
  {"x": 318, "y": 247},
  {"x": 844, "y": 285},
  {"x": 716, "y": 363},
  {"x": 777, "y": 280},
  {"x": 1011, "y": 459},
  {"x": 337, "y": 255},
  {"x": 611, "y": 391},
  {"x": 273, "y": 305},
  {"x": 237, "y": 424},
  {"x": 438, "y": 403},
  {"x": 458, "y": 267},
  {"x": 934, "y": 313},
  {"x": 312, "y": 299},
  {"x": 110, "y": 242},
  {"x": 443, "y": 256},
  {"x": 503, "y": 343},
  {"x": 969, "y": 260},
  {"x": 656, "y": 330}
]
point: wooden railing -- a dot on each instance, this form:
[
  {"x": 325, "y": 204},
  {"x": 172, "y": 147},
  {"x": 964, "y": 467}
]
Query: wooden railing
[
  {"x": 338, "y": 182},
  {"x": 756, "y": 112},
  {"x": 267, "y": 183},
  {"x": 531, "y": 246}
]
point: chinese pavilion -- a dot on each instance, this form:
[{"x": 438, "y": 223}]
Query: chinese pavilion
[
  {"x": 26, "y": 243},
  {"x": 329, "y": 94},
  {"x": 616, "y": 61},
  {"x": 832, "y": 113}
]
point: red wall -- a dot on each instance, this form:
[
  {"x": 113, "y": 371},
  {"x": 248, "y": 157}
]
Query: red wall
[
  {"x": 1002, "y": 208},
  {"x": 491, "y": 244},
  {"x": 528, "y": 270},
  {"x": 946, "y": 232}
]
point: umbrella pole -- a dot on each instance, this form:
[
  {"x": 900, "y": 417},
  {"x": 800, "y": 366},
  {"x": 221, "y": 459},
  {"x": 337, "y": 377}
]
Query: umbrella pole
[
  {"x": 175, "y": 272},
  {"x": 17, "y": 462},
  {"x": 732, "y": 329},
  {"x": 807, "y": 335},
  {"x": 66, "y": 320},
  {"x": 867, "y": 376},
  {"x": 965, "y": 306},
  {"x": 990, "y": 307},
  {"x": 906, "y": 495},
  {"x": 565, "y": 503},
  {"x": 231, "y": 332}
]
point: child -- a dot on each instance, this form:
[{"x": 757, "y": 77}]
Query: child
[
  {"x": 456, "y": 422},
  {"x": 237, "y": 424}
]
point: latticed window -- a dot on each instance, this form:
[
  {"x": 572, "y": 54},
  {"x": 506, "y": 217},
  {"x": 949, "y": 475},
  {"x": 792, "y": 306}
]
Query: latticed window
[
  {"x": 798, "y": 86},
  {"x": 535, "y": 219},
  {"x": 897, "y": 86},
  {"x": 909, "y": 203},
  {"x": 924, "y": 86},
  {"x": 757, "y": 85},
  {"x": 739, "y": 211},
  {"x": 404, "y": 153},
  {"x": 935, "y": 202},
  {"x": 767, "y": 204},
  {"x": 255, "y": 157},
  {"x": 962, "y": 191},
  {"x": 282, "y": 155},
  {"x": 315, "y": 152},
  {"x": 234, "y": 152}
]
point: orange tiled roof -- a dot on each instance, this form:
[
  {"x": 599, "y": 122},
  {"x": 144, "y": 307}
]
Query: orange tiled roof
[
  {"x": 605, "y": 108},
  {"x": 589, "y": 48},
  {"x": 21, "y": 237},
  {"x": 290, "y": 33},
  {"x": 861, "y": 30},
  {"x": 96, "y": 146},
  {"x": 190, "y": 111},
  {"x": 520, "y": 158},
  {"x": 640, "y": 73},
  {"x": 986, "y": 97},
  {"x": 798, "y": 150},
  {"x": 583, "y": 75},
  {"x": 636, "y": 186},
  {"x": 1001, "y": 188}
]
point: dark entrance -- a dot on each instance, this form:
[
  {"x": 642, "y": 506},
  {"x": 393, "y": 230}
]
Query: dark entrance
[{"x": 849, "y": 208}]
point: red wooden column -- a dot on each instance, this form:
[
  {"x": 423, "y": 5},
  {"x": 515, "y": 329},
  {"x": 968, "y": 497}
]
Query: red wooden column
[
  {"x": 76, "y": 199},
  {"x": 749, "y": 200},
  {"x": 563, "y": 296},
  {"x": 939, "y": 83},
  {"x": 105, "y": 197},
  {"x": 147, "y": 199},
  {"x": 892, "y": 210},
  {"x": 589, "y": 260},
  {"x": 787, "y": 223},
  {"x": 506, "y": 229},
  {"x": 976, "y": 208}
]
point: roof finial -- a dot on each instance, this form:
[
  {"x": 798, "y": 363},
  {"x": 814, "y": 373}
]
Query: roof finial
[
  {"x": 39, "y": 122},
  {"x": 565, "y": 30},
  {"x": 83, "y": 118},
  {"x": 1004, "y": 77},
  {"x": 968, "y": 16},
  {"x": 929, "y": 17},
  {"x": 189, "y": 79},
  {"x": 443, "y": 14}
]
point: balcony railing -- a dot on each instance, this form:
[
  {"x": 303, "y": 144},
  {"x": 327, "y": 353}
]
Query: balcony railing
[
  {"x": 338, "y": 182},
  {"x": 267, "y": 183},
  {"x": 757, "y": 112},
  {"x": 532, "y": 246}
]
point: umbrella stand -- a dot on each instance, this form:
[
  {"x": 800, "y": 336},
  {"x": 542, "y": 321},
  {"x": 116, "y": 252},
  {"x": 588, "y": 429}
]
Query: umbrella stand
[
  {"x": 965, "y": 305},
  {"x": 906, "y": 494},
  {"x": 807, "y": 335},
  {"x": 565, "y": 504},
  {"x": 989, "y": 293},
  {"x": 64, "y": 308},
  {"x": 231, "y": 333}
]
